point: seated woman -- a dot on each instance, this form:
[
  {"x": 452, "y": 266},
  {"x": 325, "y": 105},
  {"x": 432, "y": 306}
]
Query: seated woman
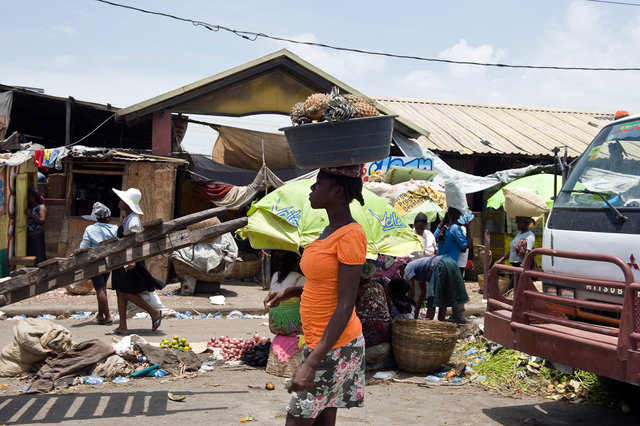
[
  {"x": 446, "y": 287},
  {"x": 400, "y": 304},
  {"x": 372, "y": 309}
]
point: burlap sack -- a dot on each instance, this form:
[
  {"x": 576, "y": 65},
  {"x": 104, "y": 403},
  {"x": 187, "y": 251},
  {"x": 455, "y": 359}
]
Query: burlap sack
[
  {"x": 523, "y": 202},
  {"x": 33, "y": 340}
]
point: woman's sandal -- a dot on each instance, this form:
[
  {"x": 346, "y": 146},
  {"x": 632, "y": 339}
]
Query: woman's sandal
[
  {"x": 156, "y": 323},
  {"x": 115, "y": 333}
]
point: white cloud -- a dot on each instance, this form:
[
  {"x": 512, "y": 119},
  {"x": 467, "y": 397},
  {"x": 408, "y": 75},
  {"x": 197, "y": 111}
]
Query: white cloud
[
  {"x": 462, "y": 51},
  {"x": 421, "y": 84},
  {"x": 63, "y": 60},
  {"x": 64, "y": 30},
  {"x": 584, "y": 36}
]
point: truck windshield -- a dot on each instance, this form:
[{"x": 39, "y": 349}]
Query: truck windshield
[{"x": 610, "y": 168}]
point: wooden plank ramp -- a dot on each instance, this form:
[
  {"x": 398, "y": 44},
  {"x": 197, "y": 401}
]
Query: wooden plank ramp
[{"x": 156, "y": 238}]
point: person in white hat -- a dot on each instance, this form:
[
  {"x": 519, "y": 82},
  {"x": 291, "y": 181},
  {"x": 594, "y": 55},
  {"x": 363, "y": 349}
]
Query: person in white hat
[
  {"x": 92, "y": 237},
  {"x": 133, "y": 279}
]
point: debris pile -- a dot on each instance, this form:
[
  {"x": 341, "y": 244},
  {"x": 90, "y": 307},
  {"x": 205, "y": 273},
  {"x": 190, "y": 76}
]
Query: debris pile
[{"x": 513, "y": 373}]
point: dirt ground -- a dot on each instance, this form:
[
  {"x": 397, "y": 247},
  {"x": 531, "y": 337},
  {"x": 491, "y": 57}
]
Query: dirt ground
[
  {"x": 224, "y": 396},
  {"x": 246, "y": 296}
]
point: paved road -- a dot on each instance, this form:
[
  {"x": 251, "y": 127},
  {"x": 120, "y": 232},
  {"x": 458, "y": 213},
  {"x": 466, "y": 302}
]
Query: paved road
[{"x": 223, "y": 397}]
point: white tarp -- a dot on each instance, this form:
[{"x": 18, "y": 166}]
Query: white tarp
[
  {"x": 16, "y": 158},
  {"x": 206, "y": 257},
  {"x": 468, "y": 183},
  {"x": 6, "y": 100}
]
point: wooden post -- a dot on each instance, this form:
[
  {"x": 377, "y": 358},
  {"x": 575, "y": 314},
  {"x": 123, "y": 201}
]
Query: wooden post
[
  {"x": 64, "y": 232},
  {"x": 266, "y": 269},
  {"x": 487, "y": 258},
  {"x": 161, "y": 133},
  {"x": 67, "y": 124}
]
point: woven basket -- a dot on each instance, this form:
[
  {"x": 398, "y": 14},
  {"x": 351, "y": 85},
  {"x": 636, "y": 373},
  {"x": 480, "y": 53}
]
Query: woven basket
[
  {"x": 422, "y": 346},
  {"x": 503, "y": 283},
  {"x": 205, "y": 224},
  {"x": 250, "y": 266},
  {"x": 183, "y": 268},
  {"x": 283, "y": 369}
]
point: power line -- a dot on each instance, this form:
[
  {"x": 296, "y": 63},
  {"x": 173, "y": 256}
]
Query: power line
[
  {"x": 253, "y": 36},
  {"x": 93, "y": 131},
  {"x": 621, "y": 3}
]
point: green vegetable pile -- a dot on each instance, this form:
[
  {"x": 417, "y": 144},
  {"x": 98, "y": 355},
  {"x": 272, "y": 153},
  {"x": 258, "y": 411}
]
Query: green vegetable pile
[{"x": 513, "y": 373}]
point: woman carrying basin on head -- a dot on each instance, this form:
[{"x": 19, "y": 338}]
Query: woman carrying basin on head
[{"x": 332, "y": 372}]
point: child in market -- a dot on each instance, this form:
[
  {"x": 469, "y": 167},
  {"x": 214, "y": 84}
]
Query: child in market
[{"x": 400, "y": 304}]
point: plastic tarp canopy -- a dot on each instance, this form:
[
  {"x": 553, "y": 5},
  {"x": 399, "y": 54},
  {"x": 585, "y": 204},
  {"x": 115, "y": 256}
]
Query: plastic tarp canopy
[
  {"x": 6, "y": 101},
  {"x": 467, "y": 182},
  {"x": 217, "y": 173},
  {"x": 243, "y": 148},
  {"x": 284, "y": 220}
]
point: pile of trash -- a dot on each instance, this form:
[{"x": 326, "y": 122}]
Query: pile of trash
[
  {"x": 513, "y": 373},
  {"x": 42, "y": 353}
]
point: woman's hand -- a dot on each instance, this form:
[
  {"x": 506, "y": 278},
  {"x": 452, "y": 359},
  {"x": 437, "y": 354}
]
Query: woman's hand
[
  {"x": 274, "y": 298},
  {"x": 303, "y": 378},
  {"x": 129, "y": 267}
]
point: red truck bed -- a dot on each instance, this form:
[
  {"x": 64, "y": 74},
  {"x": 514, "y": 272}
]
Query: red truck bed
[{"x": 532, "y": 323}]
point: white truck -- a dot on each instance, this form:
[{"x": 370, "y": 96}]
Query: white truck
[
  {"x": 598, "y": 211},
  {"x": 587, "y": 315}
]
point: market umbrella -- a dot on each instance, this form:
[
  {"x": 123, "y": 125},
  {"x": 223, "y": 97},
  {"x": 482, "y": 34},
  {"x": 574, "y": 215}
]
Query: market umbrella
[
  {"x": 541, "y": 184},
  {"x": 419, "y": 196},
  {"x": 285, "y": 220}
]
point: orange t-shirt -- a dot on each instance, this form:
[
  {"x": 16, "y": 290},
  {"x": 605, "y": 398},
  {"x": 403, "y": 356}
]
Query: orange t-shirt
[{"x": 319, "y": 298}]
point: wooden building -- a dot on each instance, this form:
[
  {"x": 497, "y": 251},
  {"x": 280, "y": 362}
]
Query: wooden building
[{"x": 101, "y": 154}]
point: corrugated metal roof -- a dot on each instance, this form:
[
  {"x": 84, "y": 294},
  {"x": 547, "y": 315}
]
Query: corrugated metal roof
[{"x": 494, "y": 129}]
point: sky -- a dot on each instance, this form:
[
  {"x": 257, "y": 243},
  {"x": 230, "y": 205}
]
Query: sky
[{"x": 100, "y": 53}]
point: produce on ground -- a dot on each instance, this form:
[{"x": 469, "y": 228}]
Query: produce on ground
[
  {"x": 176, "y": 343},
  {"x": 233, "y": 348}
]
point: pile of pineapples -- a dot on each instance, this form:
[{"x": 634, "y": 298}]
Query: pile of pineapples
[{"x": 332, "y": 107}]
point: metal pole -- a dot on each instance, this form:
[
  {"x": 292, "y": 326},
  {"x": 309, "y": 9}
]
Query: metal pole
[{"x": 555, "y": 171}]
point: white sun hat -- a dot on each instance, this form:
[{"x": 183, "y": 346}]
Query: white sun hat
[{"x": 131, "y": 197}]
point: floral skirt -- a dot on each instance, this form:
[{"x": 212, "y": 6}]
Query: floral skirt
[{"x": 339, "y": 382}]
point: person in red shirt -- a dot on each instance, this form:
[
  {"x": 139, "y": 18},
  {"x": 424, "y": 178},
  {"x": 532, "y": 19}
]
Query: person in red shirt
[{"x": 332, "y": 371}]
